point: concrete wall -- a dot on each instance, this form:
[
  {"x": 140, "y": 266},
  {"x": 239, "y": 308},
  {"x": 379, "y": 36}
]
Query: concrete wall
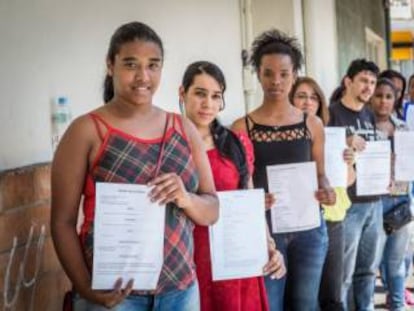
[
  {"x": 55, "y": 47},
  {"x": 321, "y": 47},
  {"x": 285, "y": 15},
  {"x": 352, "y": 18}
]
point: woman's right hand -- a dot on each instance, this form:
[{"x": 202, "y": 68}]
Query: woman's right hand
[{"x": 110, "y": 299}]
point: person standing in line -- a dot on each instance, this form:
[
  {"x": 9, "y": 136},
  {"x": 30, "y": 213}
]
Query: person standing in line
[
  {"x": 130, "y": 140},
  {"x": 283, "y": 134},
  {"x": 231, "y": 159},
  {"x": 408, "y": 115},
  {"x": 307, "y": 95},
  {"x": 394, "y": 245},
  {"x": 363, "y": 220},
  {"x": 400, "y": 85}
]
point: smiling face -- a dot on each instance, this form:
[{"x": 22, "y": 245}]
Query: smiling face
[
  {"x": 136, "y": 72},
  {"x": 276, "y": 75},
  {"x": 306, "y": 99},
  {"x": 202, "y": 100},
  {"x": 382, "y": 102}
]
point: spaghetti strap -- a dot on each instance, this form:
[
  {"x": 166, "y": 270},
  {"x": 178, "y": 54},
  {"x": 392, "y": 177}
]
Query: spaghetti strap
[
  {"x": 161, "y": 152},
  {"x": 246, "y": 120},
  {"x": 97, "y": 120},
  {"x": 181, "y": 126}
]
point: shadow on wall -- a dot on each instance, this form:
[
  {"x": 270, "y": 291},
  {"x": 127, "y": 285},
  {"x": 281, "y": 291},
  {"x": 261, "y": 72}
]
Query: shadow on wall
[{"x": 31, "y": 277}]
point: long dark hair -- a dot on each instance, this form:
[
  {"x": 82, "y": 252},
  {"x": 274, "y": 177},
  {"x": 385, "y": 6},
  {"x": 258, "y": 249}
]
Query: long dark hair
[
  {"x": 124, "y": 34},
  {"x": 338, "y": 93},
  {"x": 392, "y": 74},
  {"x": 226, "y": 142}
]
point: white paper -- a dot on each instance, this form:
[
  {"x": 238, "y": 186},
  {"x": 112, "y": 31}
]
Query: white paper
[
  {"x": 335, "y": 166},
  {"x": 296, "y": 208},
  {"x": 238, "y": 242},
  {"x": 373, "y": 168},
  {"x": 128, "y": 237},
  {"x": 409, "y": 116},
  {"x": 404, "y": 155}
]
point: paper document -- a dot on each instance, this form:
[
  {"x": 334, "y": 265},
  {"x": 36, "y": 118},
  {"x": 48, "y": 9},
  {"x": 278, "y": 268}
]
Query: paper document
[
  {"x": 294, "y": 186},
  {"x": 404, "y": 155},
  {"x": 238, "y": 243},
  {"x": 373, "y": 168},
  {"x": 128, "y": 237},
  {"x": 335, "y": 166}
]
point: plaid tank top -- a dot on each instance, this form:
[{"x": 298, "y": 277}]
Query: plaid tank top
[{"x": 123, "y": 158}]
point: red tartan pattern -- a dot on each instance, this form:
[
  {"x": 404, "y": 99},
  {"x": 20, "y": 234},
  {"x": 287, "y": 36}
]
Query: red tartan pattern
[{"x": 127, "y": 160}]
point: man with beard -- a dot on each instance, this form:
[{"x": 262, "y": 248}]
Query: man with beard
[{"x": 363, "y": 221}]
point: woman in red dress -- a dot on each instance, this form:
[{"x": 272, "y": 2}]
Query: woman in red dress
[{"x": 231, "y": 160}]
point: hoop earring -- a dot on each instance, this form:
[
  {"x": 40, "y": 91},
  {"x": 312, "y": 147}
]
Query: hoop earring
[
  {"x": 182, "y": 108},
  {"x": 223, "y": 105}
]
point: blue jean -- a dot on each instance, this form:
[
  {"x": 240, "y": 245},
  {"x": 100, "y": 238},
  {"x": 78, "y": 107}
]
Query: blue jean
[
  {"x": 304, "y": 253},
  {"x": 394, "y": 249},
  {"x": 363, "y": 227},
  {"x": 179, "y": 300}
]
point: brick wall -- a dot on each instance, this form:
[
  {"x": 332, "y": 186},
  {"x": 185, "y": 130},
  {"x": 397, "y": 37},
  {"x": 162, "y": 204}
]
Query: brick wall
[{"x": 25, "y": 203}]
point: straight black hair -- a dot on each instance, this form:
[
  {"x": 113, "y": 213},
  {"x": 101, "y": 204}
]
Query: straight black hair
[
  {"x": 226, "y": 142},
  {"x": 392, "y": 74},
  {"x": 124, "y": 34}
]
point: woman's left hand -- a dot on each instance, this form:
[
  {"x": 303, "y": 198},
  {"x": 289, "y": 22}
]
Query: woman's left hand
[
  {"x": 326, "y": 196},
  {"x": 269, "y": 200},
  {"x": 349, "y": 156},
  {"x": 276, "y": 265},
  {"x": 167, "y": 188}
]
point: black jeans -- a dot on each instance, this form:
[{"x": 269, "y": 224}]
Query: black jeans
[{"x": 332, "y": 274}]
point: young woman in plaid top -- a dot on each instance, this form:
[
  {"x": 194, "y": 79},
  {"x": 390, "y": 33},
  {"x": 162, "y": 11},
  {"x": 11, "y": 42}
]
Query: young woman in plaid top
[{"x": 121, "y": 142}]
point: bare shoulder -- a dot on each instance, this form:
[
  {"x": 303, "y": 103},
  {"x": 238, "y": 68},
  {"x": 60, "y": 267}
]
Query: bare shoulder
[
  {"x": 239, "y": 125},
  {"x": 315, "y": 125},
  {"x": 189, "y": 129},
  {"x": 82, "y": 128}
]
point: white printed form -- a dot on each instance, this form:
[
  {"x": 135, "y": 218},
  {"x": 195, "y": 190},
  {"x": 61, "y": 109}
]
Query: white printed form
[
  {"x": 373, "y": 168},
  {"x": 335, "y": 166},
  {"x": 404, "y": 155},
  {"x": 294, "y": 185},
  {"x": 238, "y": 243},
  {"x": 128, "y": 237}
]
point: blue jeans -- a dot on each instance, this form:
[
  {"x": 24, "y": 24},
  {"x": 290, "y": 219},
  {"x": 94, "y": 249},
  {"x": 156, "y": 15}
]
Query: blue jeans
[
  {"x": 179, "y": 300},
  {"x": 363, "y": 227},
  {"x": 333, "y": 269},
  {"x": 304, "y": 253},
  {"x": 393, "y": 266}
]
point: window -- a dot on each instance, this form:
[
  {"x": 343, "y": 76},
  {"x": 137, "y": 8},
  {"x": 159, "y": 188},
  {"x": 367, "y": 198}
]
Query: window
[{"x": 375, "y": 48}]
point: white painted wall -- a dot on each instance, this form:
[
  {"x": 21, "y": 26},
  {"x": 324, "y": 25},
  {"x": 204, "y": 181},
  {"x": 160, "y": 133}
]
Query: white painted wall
[
  {"x": 321, "y": 43},
  {"x": 285, "y": 15},
  {"x": 55, "y": 47}
]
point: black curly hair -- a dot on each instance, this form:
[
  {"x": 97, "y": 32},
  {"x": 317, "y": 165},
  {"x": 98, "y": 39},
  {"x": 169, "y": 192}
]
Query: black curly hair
[{"x": 274, "y": 41}]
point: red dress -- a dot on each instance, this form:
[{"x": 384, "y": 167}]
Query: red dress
[{"x": 247, "y": 294}]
